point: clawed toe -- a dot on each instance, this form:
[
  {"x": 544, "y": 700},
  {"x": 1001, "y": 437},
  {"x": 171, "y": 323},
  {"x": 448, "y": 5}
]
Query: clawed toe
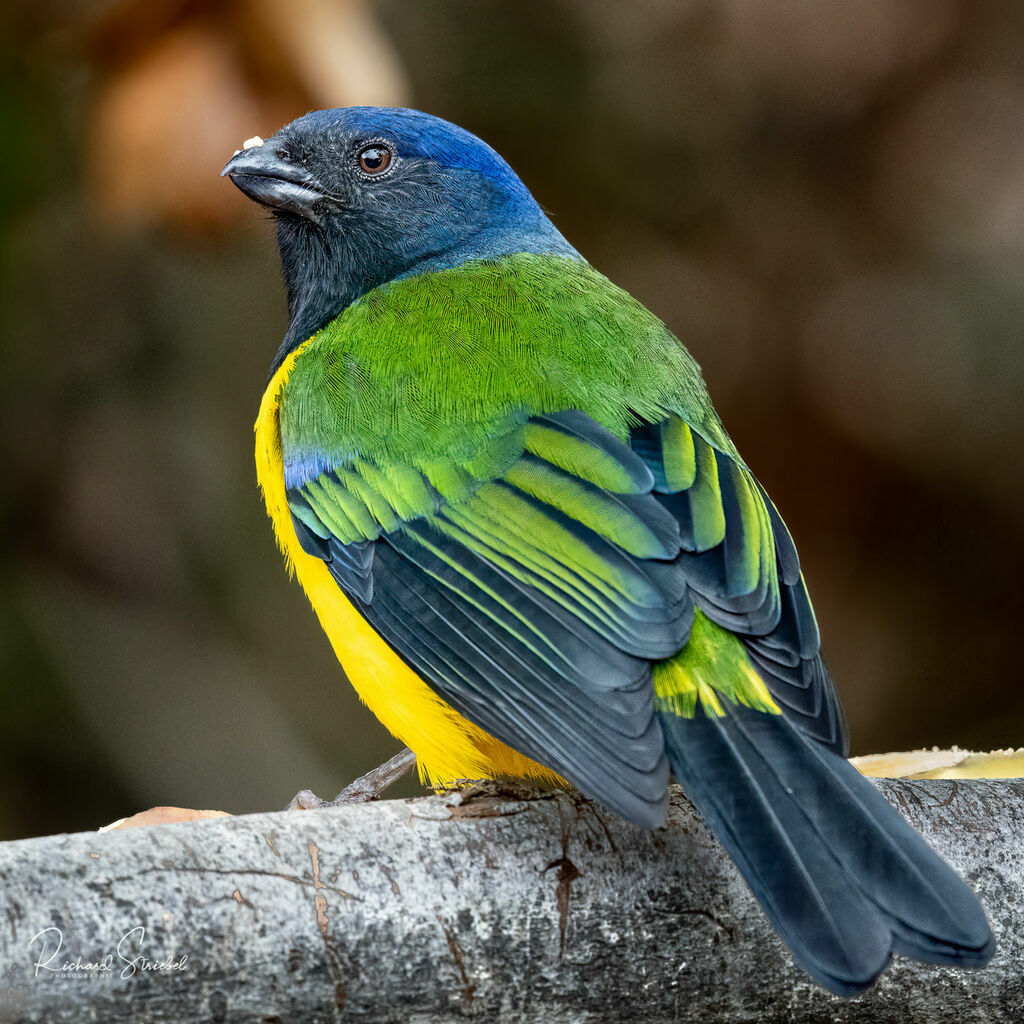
[{"x": 305, "y": 800}]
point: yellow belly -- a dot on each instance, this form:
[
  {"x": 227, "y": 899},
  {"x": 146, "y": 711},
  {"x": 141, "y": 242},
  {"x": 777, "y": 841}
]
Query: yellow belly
[{"x": 447, "y": 746}]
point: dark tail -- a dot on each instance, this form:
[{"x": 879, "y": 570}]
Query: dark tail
[{"x": 845, "y": 880}]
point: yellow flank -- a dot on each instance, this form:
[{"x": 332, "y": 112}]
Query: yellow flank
[
  {"x": 712, "y": 666},
  {"x": 447, "y": 746}
]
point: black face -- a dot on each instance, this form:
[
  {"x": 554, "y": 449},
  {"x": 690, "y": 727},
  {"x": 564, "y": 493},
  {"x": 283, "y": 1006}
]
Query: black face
[
  {"x": 363, "y": 195},
  {"x": 315, "y": 178},
  {"x": 355, "y": 209}
]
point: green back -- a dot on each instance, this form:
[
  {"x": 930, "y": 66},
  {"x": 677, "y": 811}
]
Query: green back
[
  {"x": 514, "y": 472},
  {"x": 444, "y": 364}
]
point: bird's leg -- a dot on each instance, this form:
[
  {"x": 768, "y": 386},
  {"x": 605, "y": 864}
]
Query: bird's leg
[
  {"x": 372, "y": 784},
  {"x": 367, "y": 787}
]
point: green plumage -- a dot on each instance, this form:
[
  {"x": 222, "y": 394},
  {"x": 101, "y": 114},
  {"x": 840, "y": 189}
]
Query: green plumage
[
  {"x": 711, "y": 668},
  {"x": 448, "y": 362},
  {"x": 581, "y": 460},
  {"x": 425, "y": 401},
  {"x": 428, "y": 390},
  {"x": 514, "y": 473}
]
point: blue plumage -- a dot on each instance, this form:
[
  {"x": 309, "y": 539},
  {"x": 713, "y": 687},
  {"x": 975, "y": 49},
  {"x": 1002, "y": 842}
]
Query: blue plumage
[
  {"x": 414, "y": 134},
  {"x": 447, "y": 198},
  {"x": 614, "y": 607}
]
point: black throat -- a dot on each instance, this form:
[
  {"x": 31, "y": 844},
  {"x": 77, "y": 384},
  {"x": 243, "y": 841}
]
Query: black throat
[{"x": 323, "y": 274}]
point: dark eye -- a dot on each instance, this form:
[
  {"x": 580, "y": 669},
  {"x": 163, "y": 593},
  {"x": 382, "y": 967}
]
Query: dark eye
[{"x": 374, "y": 159}]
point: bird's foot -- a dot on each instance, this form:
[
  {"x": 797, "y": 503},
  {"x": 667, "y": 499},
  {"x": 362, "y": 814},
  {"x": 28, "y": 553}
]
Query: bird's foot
[
  {"x": 305, "y": 800},
  {"x": 367, "y": 787},
  {"x": 462, "y": 791}
]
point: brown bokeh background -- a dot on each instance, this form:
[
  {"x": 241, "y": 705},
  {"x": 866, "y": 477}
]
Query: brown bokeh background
[{"x": 823, "y": 198}]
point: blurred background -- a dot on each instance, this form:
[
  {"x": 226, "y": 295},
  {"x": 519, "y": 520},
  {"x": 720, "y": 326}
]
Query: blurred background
[{"x": 823, "y": 198}]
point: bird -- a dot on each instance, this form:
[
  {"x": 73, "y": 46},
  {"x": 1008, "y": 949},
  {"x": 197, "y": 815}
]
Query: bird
[{"x": 534, "y": 547}]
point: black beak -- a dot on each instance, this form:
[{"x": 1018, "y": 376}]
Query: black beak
[{"x": 275, "y": 182}]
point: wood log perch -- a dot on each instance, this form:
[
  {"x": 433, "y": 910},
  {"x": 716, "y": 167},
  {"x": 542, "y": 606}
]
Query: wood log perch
[{"x": 434, "y": 910}]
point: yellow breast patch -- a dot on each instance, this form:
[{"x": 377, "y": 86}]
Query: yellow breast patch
[{"x": 447, "y": 746}]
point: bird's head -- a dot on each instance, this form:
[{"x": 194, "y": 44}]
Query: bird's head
[{"x": 363, "y": 195}]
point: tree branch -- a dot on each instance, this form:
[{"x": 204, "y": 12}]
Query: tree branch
[{"x": 433, "y": 910}]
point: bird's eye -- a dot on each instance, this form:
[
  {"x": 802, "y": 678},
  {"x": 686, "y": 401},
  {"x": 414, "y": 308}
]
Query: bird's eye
[{"x": 374, "y": 159}]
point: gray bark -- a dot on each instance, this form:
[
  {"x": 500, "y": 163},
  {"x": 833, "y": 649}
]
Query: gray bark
[{"x": 548, "y": 910}]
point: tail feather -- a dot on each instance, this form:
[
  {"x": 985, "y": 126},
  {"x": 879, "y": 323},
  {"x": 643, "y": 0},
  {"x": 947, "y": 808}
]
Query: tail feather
[
  {"x": 845, "y": 880},
  {"x": 935, "y": 915}
]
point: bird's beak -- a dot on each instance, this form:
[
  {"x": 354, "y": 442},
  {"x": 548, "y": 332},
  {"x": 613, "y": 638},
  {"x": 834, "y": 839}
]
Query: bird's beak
[{"x": 273, "y": 181}]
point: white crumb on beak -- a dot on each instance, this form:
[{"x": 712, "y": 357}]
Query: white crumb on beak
[
  {"x": 236, "y": 152},
  {"x": 252, "y": 143}
]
